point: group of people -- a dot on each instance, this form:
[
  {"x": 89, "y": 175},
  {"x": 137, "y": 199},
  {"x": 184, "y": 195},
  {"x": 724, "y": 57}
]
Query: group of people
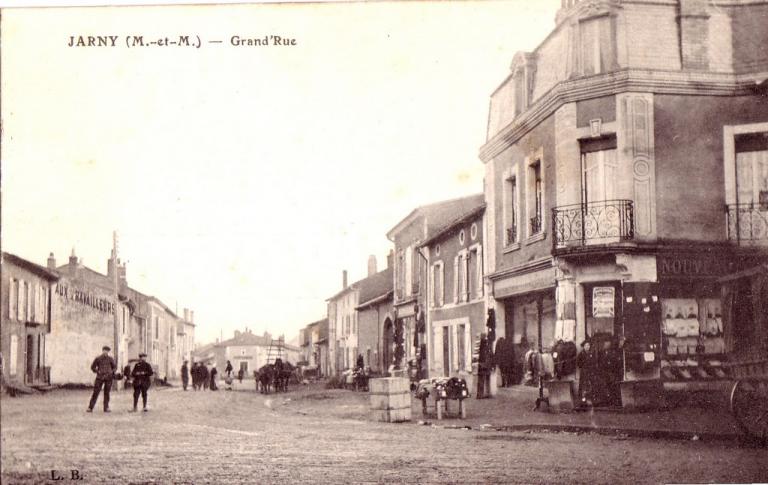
[
  {"x": 105, "y": 369},
  {"x": 601, "y": 369},
  {"x": 202, "y": 377}
]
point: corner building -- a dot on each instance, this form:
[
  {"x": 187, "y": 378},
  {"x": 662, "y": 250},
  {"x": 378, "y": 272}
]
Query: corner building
[{"x": 626, "y": 173}]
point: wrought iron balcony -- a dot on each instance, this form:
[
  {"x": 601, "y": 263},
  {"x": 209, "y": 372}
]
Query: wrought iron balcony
[
  {"x": 747, "y": 222},
  {"x": 600, "y": 222}
]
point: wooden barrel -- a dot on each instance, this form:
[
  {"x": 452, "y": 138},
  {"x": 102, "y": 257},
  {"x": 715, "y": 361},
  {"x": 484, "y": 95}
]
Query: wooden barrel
[{"x": 390, "y": 399}]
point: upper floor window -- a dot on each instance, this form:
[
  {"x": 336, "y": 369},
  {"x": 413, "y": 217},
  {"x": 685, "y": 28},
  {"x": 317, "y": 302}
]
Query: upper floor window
[
  {"x": 746, "y": 182},
  {"x": 511, "y": 211},
  {"x": 157, "y": 328},
  {"x": 536, "y": 198},
  {"x": 599, "y": 169},
  {"x": 474, "y": 273},
  {"x": 597, "y": 50},
  {"x": 752, "y": 169},
  {"x": 438, "y": 284},
  {"x": 13, "y": 299}
]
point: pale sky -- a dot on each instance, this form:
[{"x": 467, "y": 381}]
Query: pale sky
[{"x": 243, "y": 180}]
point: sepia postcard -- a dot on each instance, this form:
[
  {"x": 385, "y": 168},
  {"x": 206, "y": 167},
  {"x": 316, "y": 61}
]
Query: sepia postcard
[{"x": 482, "y": 241}]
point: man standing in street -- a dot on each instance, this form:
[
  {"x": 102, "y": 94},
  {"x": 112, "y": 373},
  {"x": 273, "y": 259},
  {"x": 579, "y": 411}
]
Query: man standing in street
[
  {"x": 142, "y": 372},
  {"x": 184, "y": 375},
  {"x": 104, "y": 366}
]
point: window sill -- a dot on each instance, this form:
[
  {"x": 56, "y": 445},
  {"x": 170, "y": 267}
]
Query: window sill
[
  {"x": 539, "y": 236},
  {"x": 511, "y": 247}
]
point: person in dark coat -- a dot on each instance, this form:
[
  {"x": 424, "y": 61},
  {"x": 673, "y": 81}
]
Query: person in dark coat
[
  {"x": 484, "y": 367},
  {"x": 204, "y": 376},
  {"x": 127, "y": 374},
  {"x": 214, "y": 373},
  {"x": 229, "y": 369},
  {"x": 142, "y": 374},
  {"x": 586, "y": 361},
  {"x": 104, "y": 367},
  {"x": 196, "y": 376},
  {"x": 504, "y": 358},
  {"x": 184, "y": 375}
]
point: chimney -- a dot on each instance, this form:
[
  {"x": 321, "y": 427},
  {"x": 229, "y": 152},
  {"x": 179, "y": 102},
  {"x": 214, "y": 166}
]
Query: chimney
[
  {"x": 237, "y": 333},
  {"x": 186, "y": 314},
  {"x": 344, "y": 279},
  {"x": 371, "y": 265},
  {"x": 51, "y": 261},
  {"x": 191, "y": 316},
  {"x": 390, "y": 259},
  {"x": 72, "y": 261}
]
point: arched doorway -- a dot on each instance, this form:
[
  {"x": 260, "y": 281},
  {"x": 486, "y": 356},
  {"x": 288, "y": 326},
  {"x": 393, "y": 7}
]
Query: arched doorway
[{"x": 388, "y": 344}]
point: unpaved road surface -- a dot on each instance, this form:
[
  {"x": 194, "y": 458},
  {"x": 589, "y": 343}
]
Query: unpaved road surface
[{"x": 317, "y": 436}]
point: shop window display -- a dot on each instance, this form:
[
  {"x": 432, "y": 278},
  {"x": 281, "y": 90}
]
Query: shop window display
[{"x": 692, "y": 343}]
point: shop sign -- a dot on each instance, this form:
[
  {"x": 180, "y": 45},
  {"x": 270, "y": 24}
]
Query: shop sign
[
  {"x": 603, "y": 298},
  {"x": 691, "y": 266},
  {"x": 85, "y": 298}
]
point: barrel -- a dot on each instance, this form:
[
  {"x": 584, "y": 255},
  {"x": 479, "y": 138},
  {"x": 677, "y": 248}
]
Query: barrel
[{"x": 390, "y": 399}]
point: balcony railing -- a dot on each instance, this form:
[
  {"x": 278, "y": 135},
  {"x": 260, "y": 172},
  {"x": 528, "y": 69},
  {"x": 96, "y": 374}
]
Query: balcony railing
[
  {"x": 600, "y": 222},
  {"x": 747, "y": 222}
]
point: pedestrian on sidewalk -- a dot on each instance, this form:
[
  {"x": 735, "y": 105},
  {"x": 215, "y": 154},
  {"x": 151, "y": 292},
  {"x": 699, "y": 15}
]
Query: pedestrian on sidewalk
[
  {"x": 214, "y": 373},
  {"x": 229, "y": 369},
  {"x": 104, "y": 367},
  {"x": 142, "y": 374},
  {"x": 204, "y": 376},
  {"x": 484, "y": 364},
  {"x": 184, "y": 375},
  {"x": 504, "y": 358},
  {"x": 586, "y": 361}
]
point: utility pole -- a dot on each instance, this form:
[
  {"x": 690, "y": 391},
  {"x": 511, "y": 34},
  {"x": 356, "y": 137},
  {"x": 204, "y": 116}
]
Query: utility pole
[{"x": 115, "y": 297}]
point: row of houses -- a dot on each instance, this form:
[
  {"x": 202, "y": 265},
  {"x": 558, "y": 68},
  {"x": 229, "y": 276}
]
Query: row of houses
[
  {"x": 626, "y": 177},
  {"x": 56, "y": 319}
]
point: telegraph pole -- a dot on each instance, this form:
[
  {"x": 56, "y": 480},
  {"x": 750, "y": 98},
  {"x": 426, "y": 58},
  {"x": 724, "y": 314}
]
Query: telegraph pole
[{"x": 115, "y": 296}]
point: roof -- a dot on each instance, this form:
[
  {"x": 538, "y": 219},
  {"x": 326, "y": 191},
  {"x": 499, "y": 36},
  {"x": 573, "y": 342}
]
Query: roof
[
  {"x": 375, "y": 286},
  {"x": 472, "y": 213},
  {"x": 41, "y": 271},
  {"x": 438, "y": 214}
]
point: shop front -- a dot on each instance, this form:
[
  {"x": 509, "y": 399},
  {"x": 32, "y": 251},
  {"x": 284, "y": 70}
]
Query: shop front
[{"x": 692, "y": 333}]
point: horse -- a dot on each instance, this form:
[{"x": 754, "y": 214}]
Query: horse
[{"x": 264, "y": 378}]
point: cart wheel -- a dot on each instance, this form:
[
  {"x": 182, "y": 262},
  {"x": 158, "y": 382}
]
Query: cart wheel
[{"x": 749, "y": 405}]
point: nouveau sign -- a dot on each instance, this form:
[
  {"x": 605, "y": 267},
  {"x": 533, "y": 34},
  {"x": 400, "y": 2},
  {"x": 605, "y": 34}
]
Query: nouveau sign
[{"x": 691, "y": 265}]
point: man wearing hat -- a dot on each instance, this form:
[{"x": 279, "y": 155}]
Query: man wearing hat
[
  {"x": 104, "y": 366},
  {"x": 142, "y": 372}
]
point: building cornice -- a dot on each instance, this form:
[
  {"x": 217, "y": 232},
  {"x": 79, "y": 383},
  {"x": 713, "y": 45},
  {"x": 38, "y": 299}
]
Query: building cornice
[
  {"x": 529, "y": 267},
  {"x": 626, "y": 80}
]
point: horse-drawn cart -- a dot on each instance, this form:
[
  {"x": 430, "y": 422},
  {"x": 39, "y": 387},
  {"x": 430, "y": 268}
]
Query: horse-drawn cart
[{"x": 745, "y": 305}]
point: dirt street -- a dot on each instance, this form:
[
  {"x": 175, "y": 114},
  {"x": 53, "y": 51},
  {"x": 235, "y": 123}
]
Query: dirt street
[{"x": 316, "y": 436}]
